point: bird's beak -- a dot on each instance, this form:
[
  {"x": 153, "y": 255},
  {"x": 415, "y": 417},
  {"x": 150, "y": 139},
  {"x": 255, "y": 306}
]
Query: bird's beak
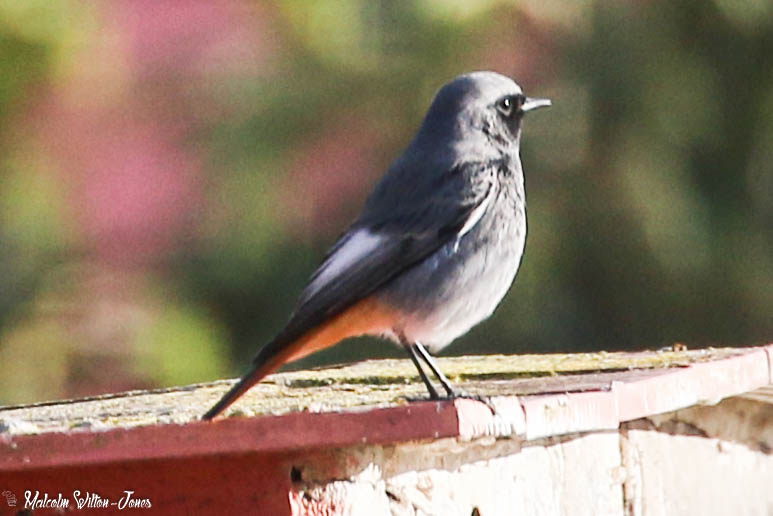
[{"x": 532, "y": 104}]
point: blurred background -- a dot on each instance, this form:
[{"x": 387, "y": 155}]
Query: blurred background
[{"x": 172, "y": 172}]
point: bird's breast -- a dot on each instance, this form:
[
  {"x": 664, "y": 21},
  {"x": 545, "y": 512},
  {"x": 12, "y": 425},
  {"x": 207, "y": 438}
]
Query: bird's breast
[{"x": 463, "y": 282}]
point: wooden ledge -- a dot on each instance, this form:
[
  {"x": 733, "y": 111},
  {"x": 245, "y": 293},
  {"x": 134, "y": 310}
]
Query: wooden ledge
[{"x": 535, "y": 396}]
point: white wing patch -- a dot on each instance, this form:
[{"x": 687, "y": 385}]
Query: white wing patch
[
  {"x": 475, "y": 216},
  {"x": 357, "y": 247}
]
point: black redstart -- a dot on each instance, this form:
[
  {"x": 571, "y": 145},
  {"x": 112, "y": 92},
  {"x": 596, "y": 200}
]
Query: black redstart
[{"x": 438, "y": 242}]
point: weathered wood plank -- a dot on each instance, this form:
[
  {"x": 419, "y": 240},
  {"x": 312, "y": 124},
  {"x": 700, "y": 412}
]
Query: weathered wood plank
[{"x": 368, "y": 384}]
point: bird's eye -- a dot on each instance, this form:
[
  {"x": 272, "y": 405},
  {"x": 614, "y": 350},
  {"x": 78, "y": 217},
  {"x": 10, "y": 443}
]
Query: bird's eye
[
  {"x": 510, "y": 105},
  {"x": 505, "y": 106}
]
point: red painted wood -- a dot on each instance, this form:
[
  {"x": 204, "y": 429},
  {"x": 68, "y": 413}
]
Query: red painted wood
[
  {"x": 236, "y": 484},
  {"x": 298, "y": 431}
]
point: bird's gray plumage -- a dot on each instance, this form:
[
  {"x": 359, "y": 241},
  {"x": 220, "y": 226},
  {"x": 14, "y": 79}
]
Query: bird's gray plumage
[
  {"x": 464, "y": 155},
  {"x": 462, "y": 163},
  {"x": 441, "y": 237}
]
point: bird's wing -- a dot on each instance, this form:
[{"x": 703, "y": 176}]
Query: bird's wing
[
  {"x": 409, "y": 216},
  {"x": 404, "y": 221}
]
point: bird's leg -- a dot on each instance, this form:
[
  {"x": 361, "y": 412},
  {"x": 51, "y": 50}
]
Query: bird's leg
[
  {"x": 411, "y": 349},
  {"x": 452, "y": 393},
  {"x": 433, "y": 365}
]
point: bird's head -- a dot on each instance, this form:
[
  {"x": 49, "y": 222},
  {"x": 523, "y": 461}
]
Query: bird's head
[{"x": 479, "y": 107}]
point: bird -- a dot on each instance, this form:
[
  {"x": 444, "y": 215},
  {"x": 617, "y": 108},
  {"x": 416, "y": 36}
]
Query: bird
[{"x": 436, "y": 247}]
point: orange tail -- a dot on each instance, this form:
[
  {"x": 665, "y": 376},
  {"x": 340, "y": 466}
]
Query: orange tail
[{"x": 367, "y": 317}]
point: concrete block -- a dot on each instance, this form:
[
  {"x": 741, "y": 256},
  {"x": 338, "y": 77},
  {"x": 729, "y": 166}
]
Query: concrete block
[
  {"x": 577, "y": 475},
  {"x": 691, "y": 474}
]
